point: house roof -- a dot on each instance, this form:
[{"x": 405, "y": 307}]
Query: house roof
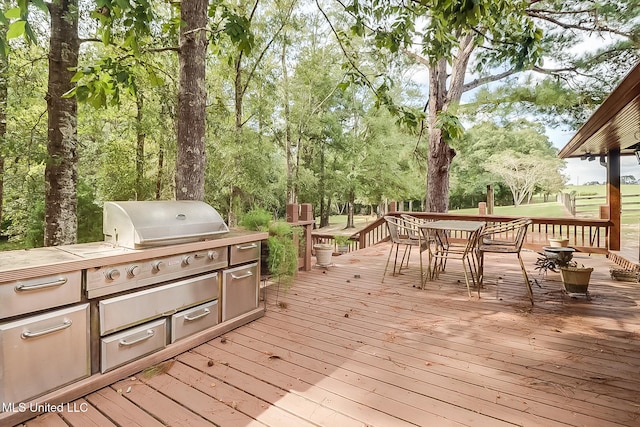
[{"x": 614, "y": 125}]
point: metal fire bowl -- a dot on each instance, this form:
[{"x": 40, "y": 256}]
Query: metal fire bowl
[{"x": 561, "y": 256}]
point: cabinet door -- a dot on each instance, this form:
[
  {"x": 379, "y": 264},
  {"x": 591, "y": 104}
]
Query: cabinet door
[
  {"x": 41, "y": 353},
  {"x": 240, "y": 290}
]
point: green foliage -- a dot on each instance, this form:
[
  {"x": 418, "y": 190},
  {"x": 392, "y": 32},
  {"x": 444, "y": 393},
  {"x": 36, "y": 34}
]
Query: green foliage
[
  {"x": 283, "y": 251},
  {"x": 450, "y": 126},
  {"x": 89, "y": 214},
  {"x": 34, "y": 233},
  {"x": 341, "y": 239},
  {"x": 256, "y": 219}
]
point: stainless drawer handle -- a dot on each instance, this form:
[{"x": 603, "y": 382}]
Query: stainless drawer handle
[
  {"x": 244, "y": 276},
  {"x": 124, "y": 342},
  {"x": 28, "y": 334},
  {"x": 22, "y": 287},
  {"x": 245, "y": 247},
  {"x": 204, "y": 313}
]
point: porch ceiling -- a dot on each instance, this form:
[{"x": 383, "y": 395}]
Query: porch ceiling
[{"x": 614, "y": 125}]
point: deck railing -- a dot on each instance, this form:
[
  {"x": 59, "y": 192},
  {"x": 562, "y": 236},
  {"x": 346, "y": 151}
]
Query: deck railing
[{"x": 585, "y": 235}]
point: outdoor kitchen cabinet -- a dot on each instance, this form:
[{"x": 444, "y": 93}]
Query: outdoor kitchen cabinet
[
  {"x": 240, "y": 286},
  {"x": 131, "y": 309},
  {"x": 43, "y": 352},
  {"x": 74, "y": 314},
  {"x": 136, "y": 308}
]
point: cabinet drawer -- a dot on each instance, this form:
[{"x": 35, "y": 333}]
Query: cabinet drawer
[
  {"x": 26, "y": 296},
  {"x": 131, "y": 344},
  {"x": 244, "y": 252},
  {"x": 193, "y": 320},
  {"x": 139, "y": 307},
  {"x": 41, "y": 353},
  {"x": 239, "y": 291}
]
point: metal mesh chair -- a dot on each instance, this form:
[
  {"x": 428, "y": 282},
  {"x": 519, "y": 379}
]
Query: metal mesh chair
[
  {"x": 403, "y": 233},
  {"x": 465, "y": 252},
  {"x": 504, "y": 238}
]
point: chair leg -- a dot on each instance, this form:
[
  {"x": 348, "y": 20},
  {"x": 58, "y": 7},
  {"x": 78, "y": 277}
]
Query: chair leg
[
  {"x": 466, "y": 277},
  {"x": 386, "y": 267},
  {"x": 480, "y": 270},
  {"x": 407, "y": 248},
  {"x": 395, "y": 260},
  {"x": 526, "y": 278},
  {"x": 408, "y": 256},
  {"x": 473, "y": 269}
]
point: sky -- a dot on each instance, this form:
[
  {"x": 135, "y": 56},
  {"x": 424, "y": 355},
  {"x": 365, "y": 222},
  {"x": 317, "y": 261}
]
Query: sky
[{"x": 583, "y": 171}]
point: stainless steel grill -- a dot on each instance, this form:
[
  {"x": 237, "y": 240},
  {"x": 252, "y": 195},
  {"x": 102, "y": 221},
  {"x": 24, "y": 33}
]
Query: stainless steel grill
[{"x": 144, "y": 224}]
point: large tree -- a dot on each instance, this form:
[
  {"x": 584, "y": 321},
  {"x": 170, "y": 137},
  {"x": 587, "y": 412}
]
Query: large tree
[
  {"x": 61, "y": 174},
  {"x": 495, "y": 39},
  {"x": 192, "y": 97}
]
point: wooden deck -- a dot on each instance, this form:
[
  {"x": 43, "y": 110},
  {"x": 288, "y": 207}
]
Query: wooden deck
[{"x": 342, "y": 349}]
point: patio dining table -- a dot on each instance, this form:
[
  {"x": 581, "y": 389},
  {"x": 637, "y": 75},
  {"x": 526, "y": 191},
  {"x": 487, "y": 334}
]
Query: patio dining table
[{"x": 443, "y": 248}]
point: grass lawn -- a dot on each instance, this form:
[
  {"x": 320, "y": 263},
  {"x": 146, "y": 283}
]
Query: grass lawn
[
  {"x": 548, "y": 209},
  {"x": 589, "y": 208}
]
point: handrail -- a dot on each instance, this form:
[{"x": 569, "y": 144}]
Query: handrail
[{"x": 585, "y": 235}]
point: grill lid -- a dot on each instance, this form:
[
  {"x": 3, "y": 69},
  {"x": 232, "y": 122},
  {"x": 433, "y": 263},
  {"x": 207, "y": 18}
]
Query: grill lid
[{"x": 155, "y": 223}]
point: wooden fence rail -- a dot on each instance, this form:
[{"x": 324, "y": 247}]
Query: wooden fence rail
[{"x": 585, "y": 235}]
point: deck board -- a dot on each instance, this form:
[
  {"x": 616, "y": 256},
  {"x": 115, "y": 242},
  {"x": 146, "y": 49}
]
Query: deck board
[
  {"x": 122, "y": 411},
  {"x": 342, "y": 348}
]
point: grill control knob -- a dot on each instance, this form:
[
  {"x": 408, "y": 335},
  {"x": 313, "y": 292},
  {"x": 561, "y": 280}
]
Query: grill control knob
[
  {"x": 186, "y": 260},
  {"x": 112, "y": 274},
  {"x": 157, "y": 266},
  {"x": 213, "y": 255},
  {"x": 133, "y": 270}
]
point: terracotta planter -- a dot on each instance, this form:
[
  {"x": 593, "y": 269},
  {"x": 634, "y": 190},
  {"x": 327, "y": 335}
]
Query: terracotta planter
[
  {"x": 575, "y": 279},
  {"x": 558, "y": 243}
]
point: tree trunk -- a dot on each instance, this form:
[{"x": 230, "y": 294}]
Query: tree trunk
[
  {"x": 440, "y": 153},
  {"x": 61, "y": 174},
  {"x": 352, "y": 201},
  {"x": 160, "y": 172},
  {"x": 324, "y": 202},
  {"x": 139, "y": 149},
  {"x": 191, "y": 158},
  {"x": 292, "y": 197}
]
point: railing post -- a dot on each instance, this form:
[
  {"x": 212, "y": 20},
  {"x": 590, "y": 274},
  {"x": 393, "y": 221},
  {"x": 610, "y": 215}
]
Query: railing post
[
  {"x": 303, "y": 213},
  {"x": 482, "y": 208}
]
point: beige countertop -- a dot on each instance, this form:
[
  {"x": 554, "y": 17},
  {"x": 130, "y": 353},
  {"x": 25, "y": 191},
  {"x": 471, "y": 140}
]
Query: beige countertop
[{"x": 26, "y": 263}]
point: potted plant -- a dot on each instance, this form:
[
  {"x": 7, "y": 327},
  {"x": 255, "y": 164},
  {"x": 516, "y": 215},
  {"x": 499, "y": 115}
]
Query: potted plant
[
  {"x": 575, "y": 279},
  {"x": 342, "y": 242}
]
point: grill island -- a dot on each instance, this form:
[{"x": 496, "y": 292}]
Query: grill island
[{"x": 169, "y": 276}]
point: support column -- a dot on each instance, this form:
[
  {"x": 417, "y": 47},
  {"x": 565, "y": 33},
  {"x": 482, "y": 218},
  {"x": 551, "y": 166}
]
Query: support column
[{"x": 614, "y": 199}]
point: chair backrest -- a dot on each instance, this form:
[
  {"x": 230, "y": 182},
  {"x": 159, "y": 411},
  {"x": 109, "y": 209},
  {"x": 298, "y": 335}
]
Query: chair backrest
[
  {"x": 516, "y": 228},
  {"x": 393, "y": 224},
  {"x": 412, "y": 223},
  {"x": 523, "y": 226}
]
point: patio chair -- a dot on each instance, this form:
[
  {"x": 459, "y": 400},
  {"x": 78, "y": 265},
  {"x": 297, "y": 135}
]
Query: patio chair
[
  {"x": 416, "y": 231},
  {"x": 403, "y": 233},
  {"x": 465, "y": 251},
  {"x": 505, "y": 238}
]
